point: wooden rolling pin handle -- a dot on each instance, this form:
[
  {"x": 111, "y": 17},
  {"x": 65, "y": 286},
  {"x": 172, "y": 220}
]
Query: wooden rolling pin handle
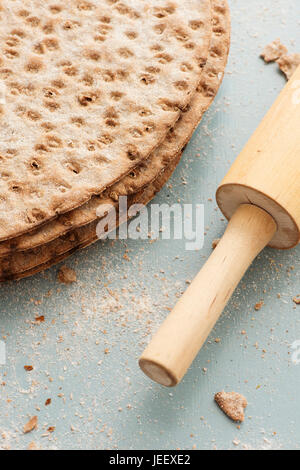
[{"x": 176, "y": 344}]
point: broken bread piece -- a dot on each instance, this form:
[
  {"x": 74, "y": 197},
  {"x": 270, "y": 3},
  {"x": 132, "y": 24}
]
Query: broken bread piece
[
  {"x": 66, "y": 275},
  {"x": 288, "y": 64},
  {"x": 277, "y": 52},
  {"x": 232, "y": 404},
  {"x": 274, "y": 51}
]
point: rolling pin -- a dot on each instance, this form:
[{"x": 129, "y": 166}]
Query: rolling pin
[{"x": 260, "y": 196}]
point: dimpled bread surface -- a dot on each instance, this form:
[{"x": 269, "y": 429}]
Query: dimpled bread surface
[
  {"x": 89, "y": 89},
  {"x": 32, "y": 261},
  {"x": 160, "y": 158}
]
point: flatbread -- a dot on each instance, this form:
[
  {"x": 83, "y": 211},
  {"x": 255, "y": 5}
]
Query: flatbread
[
  {"x": 143, "y": 175},
  {"x": 32, "y": 261},
  {"x": 85, "y": 236},
  {"x": 90, "y": 89}
]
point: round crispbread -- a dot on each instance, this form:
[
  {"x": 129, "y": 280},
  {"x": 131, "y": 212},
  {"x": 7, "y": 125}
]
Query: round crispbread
[
  {"x": 143, "y": 175},
  {"x": 89, "y": 89},
  {"x": 30, "y": 262}
]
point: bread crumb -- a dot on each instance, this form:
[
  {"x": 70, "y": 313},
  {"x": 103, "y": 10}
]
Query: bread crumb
[
  {"x": 66, "y": 275},
  {"x": 215, "y": 243},
  {"x": 259, "y": 305},
  {"x": 28, "y": 368},
  {"x": 288, "y": 64},
  {"x": 31, "y": 425},
  {"x": 32, "y": 446},
  {"x": 232, "y": 404},
  {"x": 297, "y": 299},
  {"x": 277, "y": 52},
  {"x": 274, "y": 51}
]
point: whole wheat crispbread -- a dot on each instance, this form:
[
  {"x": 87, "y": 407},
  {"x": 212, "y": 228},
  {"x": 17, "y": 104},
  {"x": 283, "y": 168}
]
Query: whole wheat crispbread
[
  {"x": 27, "y": 263},
  {"x": 90, "y": 89},
  {"x": 84, "y": 236},
  {"x": 143, "y": 175}
]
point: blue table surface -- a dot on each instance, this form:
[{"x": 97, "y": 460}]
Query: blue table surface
[{"x": 85, "y": 352}]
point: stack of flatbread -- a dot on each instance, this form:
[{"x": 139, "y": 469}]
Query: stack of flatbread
[{"x": 98, "y": 99}]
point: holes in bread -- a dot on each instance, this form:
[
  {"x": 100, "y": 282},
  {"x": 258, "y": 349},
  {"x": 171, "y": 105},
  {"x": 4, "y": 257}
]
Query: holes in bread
[
  {"x": 5, "y": 175},
  {"x": 58, "y": 83},
  {"x": 48, "y": 126},
  {"x": 48, "y": 27},
  {"x": 35, "y": 166},
  {"x": 74, "y": 167},
  {"x": 68, "y": 25},
  {"x": 33, "y": 21},
  {"x": 23, "y": 13},
  {"x": 33, "y": 115},
  {"x": 78, "y": 121},
  {"x": 136, "y": 132},
  {"x": 111, "y": 113},
  {"x": 116, "y": 95},
  {"x": 18, "y": 32},
  {"x": 11, "y": 53},
  {"x": 167, "y": 105},
  {"x": 144, "y": 112},
  {"x": 196, "y": 24},
  {"x": 54, "y": 142},
  {"x": 181, "y": 85},
  {"x": 51, "y": 105},
  {"x": 190, "y": 45},
  {"x": 50, "y": 92},
  {"x": 216, "y": 51},
  {"x": 181, "y": 35},
  {"x": 51, "y": 44},
  {"x": 111, "y": 123},
  {"x": 125, "y": 52},
  {"x": 55, "y": 9},
  {"x": 100, "y": 38},
  {"x": 106, "y": 139},
  {"x": 87, "y": 79},
  {"x": 39, "y": 48},
  {"x": 160, "y": 12},
  {"x": 122, "y": 74},
  {"x": 131, "y": 34},
  {"x": 132, "y": 152},
  {"x": 164, "y": 58},
  {"x": 35, "y": 215},
  {"x": 85, "y": 99},
  {"x": 160, "y": 28},
  {"x": 185, "y": 67},
  {"x": 105, "y": 19},
  {"x": 15, "y": 187},
  {"x": 108, "y": 75},
  {"x": 71, "y": 71},
  {"x": 149, "y": 127},
  {"x": 92, "y": 54},
  {"x": 147, "y": 79},
  {"x": 41, "y": 148},
  {"x": 12, "y": 41},
  {"x": 133, "y": 174},
  {"x": 85, "y": 6},
  {"x": 152, "y": 69},
  {"x": 34, "y": 65}
]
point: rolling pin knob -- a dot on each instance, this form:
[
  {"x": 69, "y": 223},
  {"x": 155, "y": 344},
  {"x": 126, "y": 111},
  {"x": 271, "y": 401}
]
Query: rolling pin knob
[
  {"x": 183, "y": 333},
  {"x": 267, "y": 171}
]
